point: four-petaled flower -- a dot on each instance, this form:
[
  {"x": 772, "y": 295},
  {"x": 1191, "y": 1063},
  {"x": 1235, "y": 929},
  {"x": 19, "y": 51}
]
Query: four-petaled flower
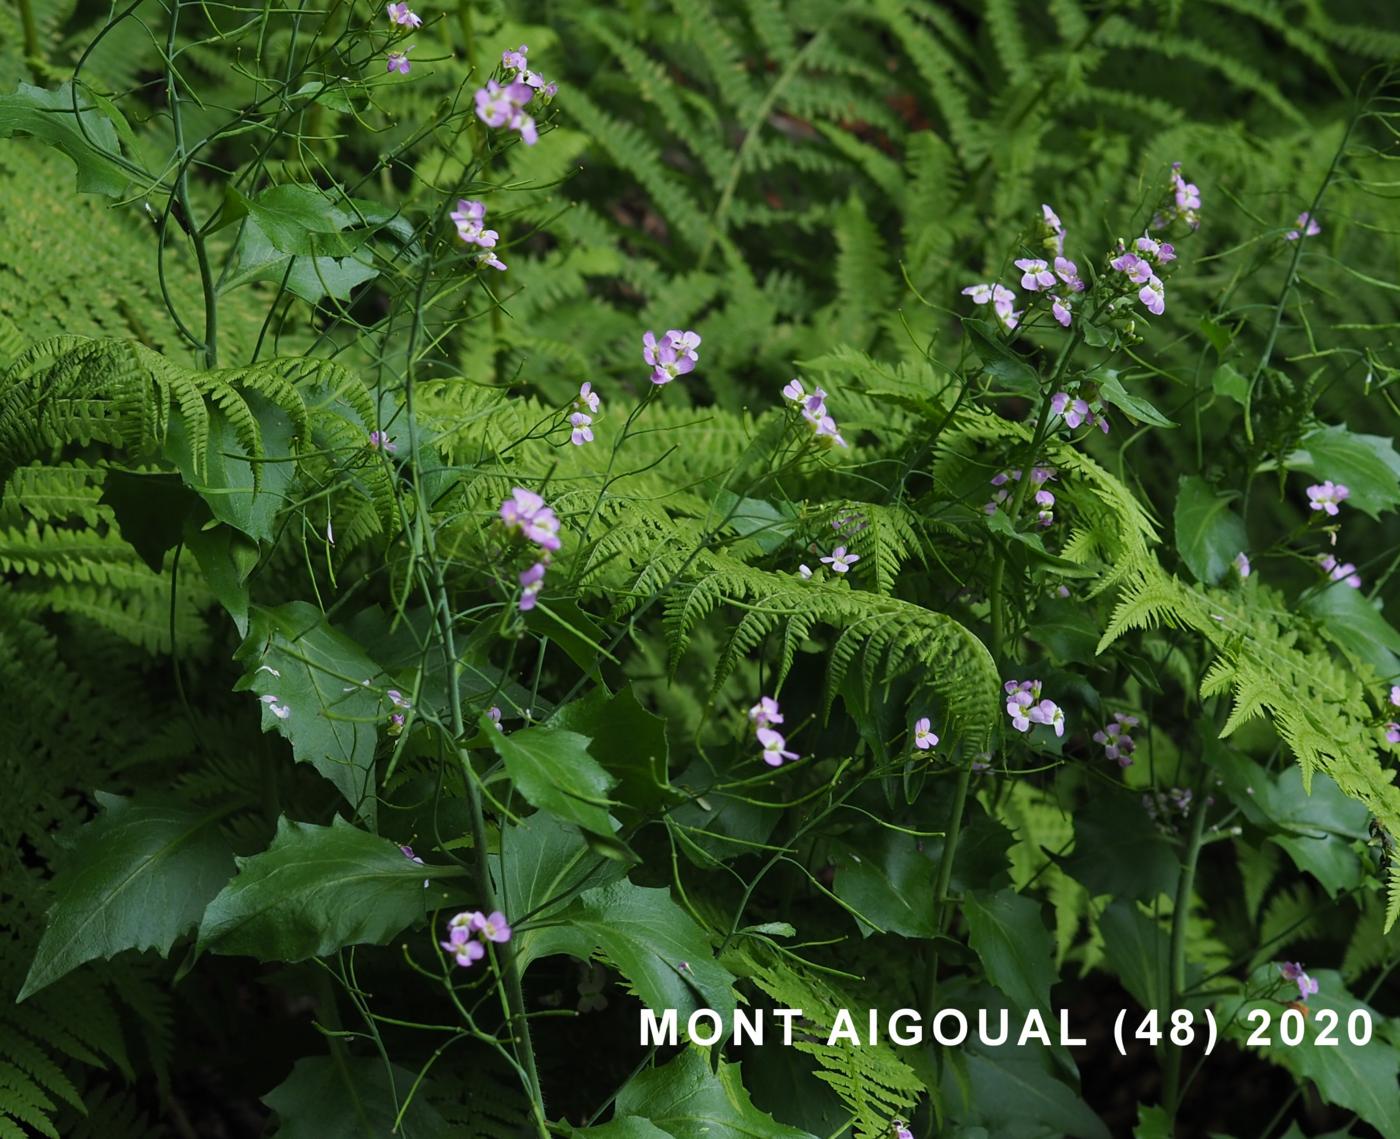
[
  {"x": 766, "y": 712},
  {"x": 1059, "y": 308},
  {"x": 492, "y": 927},
  {"x": 404, "y": 16},
  {"x": 469, "y": 930},
  {"x": 470, "y": 220},
  {"x": 1117, "y": 743},
  {"x": 839, "y": 560},
  {"x": 1035, "y": 274},
  {"x": 1293, "y": 971},
  {"x": 1392, "y": 732},
  {"x": 1002, "y": 299},
  {"x": 398, "y": 61},
  {"x": 1339, "y": 571},
  {"x": 526, "y": 512},
  {"x": 1026, "y": 707},
  {"x": 794, "y": 391},
  {"x": 1307, "y": 227},
  {"x": 1075, "y": 411},
  {"x": 582, "y": 428},
  {"x": 774, "y": 747},
  {"x": 924, "y": 738},
  {"x": 1068, "y": 272},
  {"x": 587, "y": 398},
  {"x": 672, "y": 356},
  {"x": 498, "y": 106},
  {"x": 1327, "y": 496}
]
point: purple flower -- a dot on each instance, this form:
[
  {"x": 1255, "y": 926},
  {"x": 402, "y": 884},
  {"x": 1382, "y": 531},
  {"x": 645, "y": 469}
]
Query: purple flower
[
  {"x": 398, "y": 61},
  {"x": 1392, "y": 732},
  {"x": 924, "y": 739},
  {"x": 840, "y": 561},
  {"x": 492, "y": 927},
  {"x": 1153, "y": 297},
  {"x": 685, "y": 343},
  {"x": 1117, "y": 743},
  {"x": 1327, "y": 496},
  {"x": 469, "y": 218},
  {"x": 1075, "y": 411},
  {"x": 531, "y": 582},
  {"x": 667, "y": 360},
  {"x": 493, "y": 714},
  {"x": 900, "y": 1131},
  {"x": 1395, "y": 694},
  {"x": 774, "y": 747},
  {"x": 1339, "y": 571},
  {"x": 408, "y": 853},
  {"x": 460, "y": 943},
  {"x": 1059, "y": 308},
  {"x": 397, "y": 699},
  {"x": 1242, "y": 566},
  {"x": 1003, "y": 300},
  {"x": 491, "y": 261},
  {"x": 498, "y": 106},
  {"x": 1068, "y": 272},
  {"x": 380, "y": 441},
  {"x": 273, "y": 704},
  {"x": 794, "y": 391},
  {"x": 805, "y": 571},
  {"x": 404, "y": 16},
  {"x": 824, "y": 428},
  {"x": 587, "y": 398},
  {"x": 526, "y": 512},
  {"x": 1148, "y": 245},
  {"x": 1307, "y": 224},
  {"x": 1035, "y": 274},
  {"x": 1049, "y": 713},
  {"x": 766, "y": 712},
  {"x": 1293, "y": 971},
  {"x": 582, "y": 429}
]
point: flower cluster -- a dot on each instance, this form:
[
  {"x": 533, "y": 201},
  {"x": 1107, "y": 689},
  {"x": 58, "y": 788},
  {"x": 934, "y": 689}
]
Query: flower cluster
[
  {"x": 585, "y": 405},
  {"x": 500, "y": 105},
  {"x": 1044, "y": 499},
  {"x": 404, "y": 16},
  {"x": 470, "y": 220},
  {"x": 814, "y": 412},
  {"x": 525, "y": 513},
  {"x": 1160, "y": 806},
  {"x": 1057, "y": 278},
  {"x": 1025, "y": 707},
  {"x": 1293, "y": 971},
  {"x": 764, "y": 715},
  {"x": 672, "y": 356},
  {"x": 1307, "y": 227},
  {"x": 1140, "y": 268},
  {"x": 1117, "y": 744},
  {"x": 924, "y": 737},
  {"x": 469, "y": 931},
  {"x": 1328, "y": 497},
  {"x": 1184, "y": 206},
  {"x": 1339, "y": 571}
]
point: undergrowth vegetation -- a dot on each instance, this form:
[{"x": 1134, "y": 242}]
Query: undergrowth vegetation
[{"x": 517, "y": 514}]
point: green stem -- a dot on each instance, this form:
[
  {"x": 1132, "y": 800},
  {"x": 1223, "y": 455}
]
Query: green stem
[
  {"x": 210, "y": 347},
  {"x": 33, "y": 54},
  {"x": 1176, "y": 981}
]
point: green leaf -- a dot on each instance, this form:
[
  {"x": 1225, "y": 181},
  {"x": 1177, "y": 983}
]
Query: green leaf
[
  {"x": 1226, "y": 381},
  {"x": 999, "y": 522},
  {"x": 1010, "y": 1087},
  {"x": 226, "y": 557},
  {"x": 1006, "y": 931},
  {"x": 90, "y": 137},
  {"x": 769, "y": 524},
  {"x": 1367, "y": 465},
  {"x": 543, "y": 865},
  {"x": 1360, "y": 1078},
  {"x": 1118, "y": 851},
  {"x": 1112, "y": 391},
  {"x": 315, "y": 890},
  {"x": 628, "y": 741},
  {"x": 553, "y": 770},
  {"x": 1153, "y": 1122},
  {"x": 686, "y": 1100},
  {"x": 293, "y": 217},
  {"x": 151, "y": 511},
  {"x": 1136, "y": 949},
  {"x": 889, "y": 885},
  {"x": 329, "y": 688},
  {"x": 1348, "y": 618},
  {"x": 999, "y": 361},
  {"x": 352, "y": 1098},
  {"x": 139, "y": 875},
  {"x": 656, "y": 945},
  {"x": 1208, "y": 533}
]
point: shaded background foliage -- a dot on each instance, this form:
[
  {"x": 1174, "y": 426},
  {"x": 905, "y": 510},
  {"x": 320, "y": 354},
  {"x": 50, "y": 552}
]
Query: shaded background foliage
[{"x": 809, "y": 184}]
